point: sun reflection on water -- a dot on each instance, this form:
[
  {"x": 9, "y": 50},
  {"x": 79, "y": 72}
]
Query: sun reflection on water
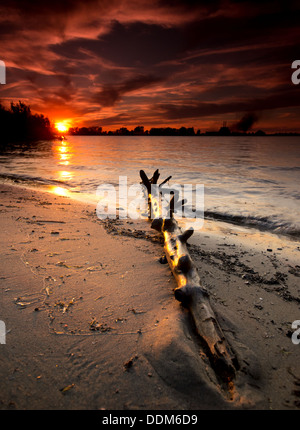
[
  {"x": 63, "y": 152},
  {"x": 65, "y": 176},
  {"x": 59, "y": 191}
]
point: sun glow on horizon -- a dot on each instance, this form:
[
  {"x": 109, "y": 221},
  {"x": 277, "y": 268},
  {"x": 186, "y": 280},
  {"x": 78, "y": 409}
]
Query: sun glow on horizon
[{"x": 62, "y": 127}]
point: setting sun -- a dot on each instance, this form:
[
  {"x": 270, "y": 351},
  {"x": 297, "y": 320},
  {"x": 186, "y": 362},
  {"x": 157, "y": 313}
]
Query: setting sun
[{"x": 61, "y": 127}]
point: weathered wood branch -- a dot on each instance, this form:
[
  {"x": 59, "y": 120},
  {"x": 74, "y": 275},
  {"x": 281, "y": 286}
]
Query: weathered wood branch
[{"x": 189, "y": 291}]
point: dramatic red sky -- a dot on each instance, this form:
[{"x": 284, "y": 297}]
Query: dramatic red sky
[{"x": 115, "y": 63}]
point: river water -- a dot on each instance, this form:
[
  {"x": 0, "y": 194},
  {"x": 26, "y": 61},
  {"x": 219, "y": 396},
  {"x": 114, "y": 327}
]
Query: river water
[{"x": 248, "y": 180}]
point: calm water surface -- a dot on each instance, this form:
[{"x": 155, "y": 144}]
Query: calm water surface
[{"x": 252, "y": 181}]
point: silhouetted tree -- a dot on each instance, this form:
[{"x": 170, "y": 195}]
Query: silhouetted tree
[
  {"x": 19, "y": 124},
  {"x": 139, "y": 130}
]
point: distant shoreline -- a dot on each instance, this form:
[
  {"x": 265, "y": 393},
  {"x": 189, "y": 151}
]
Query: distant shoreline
[
  {"x": 240, "y": 129},
  {"x": 206, "y": 134}
]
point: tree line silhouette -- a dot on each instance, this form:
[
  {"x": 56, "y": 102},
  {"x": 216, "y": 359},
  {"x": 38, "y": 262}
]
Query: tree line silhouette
[
  {"x": 169, "y": 131},
  {"x": 17, "y": 123},
  {"x": 137, "y": 131}
]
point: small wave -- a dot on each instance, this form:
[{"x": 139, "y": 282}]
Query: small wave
[
  {"x": 258, "y": 222},
  {"x": 32, "y": 179}
]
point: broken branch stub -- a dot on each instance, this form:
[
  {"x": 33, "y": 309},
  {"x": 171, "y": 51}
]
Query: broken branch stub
[{"x": 189, "y": 291}]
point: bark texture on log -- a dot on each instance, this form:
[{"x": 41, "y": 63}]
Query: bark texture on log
[{"x": 189, "y": 290}]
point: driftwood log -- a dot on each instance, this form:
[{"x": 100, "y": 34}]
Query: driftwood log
[{"x": 189, "y": 291}]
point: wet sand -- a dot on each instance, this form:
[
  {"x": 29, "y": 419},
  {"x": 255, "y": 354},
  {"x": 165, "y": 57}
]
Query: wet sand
[{"x": 92, "y": 322}]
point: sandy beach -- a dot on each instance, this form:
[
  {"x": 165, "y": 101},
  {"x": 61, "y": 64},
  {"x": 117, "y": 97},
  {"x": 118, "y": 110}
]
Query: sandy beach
[{"x": 92, "y": 322}]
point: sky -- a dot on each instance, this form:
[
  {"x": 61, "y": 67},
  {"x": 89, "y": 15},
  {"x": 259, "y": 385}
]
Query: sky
[{"x": 156, "y": 63}]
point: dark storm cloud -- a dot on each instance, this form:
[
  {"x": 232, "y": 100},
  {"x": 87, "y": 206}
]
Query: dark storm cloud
[
  {"x": 139, "y": 44},
  {"x": 239, "y": 30},
  {"x": 203, "y": 109},
  {"x": 110, "y": 94},
  {"x": 135, "y": 44},
  {"x": 168, "y": 59}
]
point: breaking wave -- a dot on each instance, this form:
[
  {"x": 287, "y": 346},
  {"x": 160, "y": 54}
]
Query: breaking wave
[{"x": 265, "y": 223}]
